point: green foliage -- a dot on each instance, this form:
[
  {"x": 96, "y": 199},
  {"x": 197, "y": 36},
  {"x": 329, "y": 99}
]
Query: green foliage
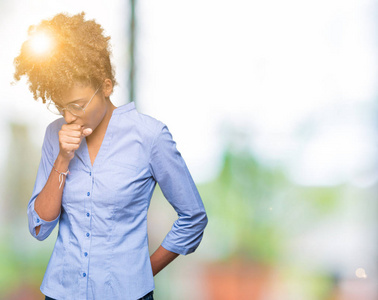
[
  {"x": 250, "y": 207},
  {"x": 20, "y": 266}
]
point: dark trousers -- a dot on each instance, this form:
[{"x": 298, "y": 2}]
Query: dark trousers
[{"x": 149, "y": 296}]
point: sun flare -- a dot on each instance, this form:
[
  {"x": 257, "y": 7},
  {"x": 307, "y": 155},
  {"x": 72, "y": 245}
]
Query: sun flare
[{"x": 41, "y": 43}]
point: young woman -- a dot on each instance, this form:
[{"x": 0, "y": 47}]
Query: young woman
[{"x": 98, "y": 170}]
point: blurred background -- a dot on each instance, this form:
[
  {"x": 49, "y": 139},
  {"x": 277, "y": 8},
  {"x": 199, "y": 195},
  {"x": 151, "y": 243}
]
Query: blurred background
[{"x": 273, "y": 105}]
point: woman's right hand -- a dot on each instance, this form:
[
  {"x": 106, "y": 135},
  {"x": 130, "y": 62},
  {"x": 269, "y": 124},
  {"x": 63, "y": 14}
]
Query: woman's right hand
[{"x": 70, "y": 137}]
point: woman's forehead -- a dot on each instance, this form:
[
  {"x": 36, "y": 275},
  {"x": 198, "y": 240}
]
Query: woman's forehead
[{"x": 74, "y": 93}]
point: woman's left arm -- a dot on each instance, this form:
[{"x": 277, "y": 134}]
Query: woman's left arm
[
  {"x": 161, "y": 258},
  {"x": 170, "y": 171}
]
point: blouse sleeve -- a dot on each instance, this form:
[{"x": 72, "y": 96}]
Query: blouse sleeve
[
  {"x": 43, "y": 173},
  {"x": 171, "y": 173}
]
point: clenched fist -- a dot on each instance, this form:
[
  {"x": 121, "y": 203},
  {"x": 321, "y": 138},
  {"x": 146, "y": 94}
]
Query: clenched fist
[{"x": 70, "y": 137}]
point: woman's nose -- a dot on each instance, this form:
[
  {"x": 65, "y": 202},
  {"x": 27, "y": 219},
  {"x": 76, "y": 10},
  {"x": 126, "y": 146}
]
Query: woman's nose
[{"x": 69, "y": 117}]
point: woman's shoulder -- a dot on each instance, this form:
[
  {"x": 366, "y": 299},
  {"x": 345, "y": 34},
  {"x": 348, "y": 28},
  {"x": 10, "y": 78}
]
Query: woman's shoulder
[{"x": 144, "y": 122}]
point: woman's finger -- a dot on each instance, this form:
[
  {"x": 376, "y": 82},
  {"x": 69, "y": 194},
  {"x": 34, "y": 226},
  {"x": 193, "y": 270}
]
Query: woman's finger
[{"x": 70, "y": 140}]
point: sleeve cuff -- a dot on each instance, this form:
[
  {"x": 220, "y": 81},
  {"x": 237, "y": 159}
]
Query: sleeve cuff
[
  {"x": 46, "y": 226},
  {"x": 179, "y": 250}
]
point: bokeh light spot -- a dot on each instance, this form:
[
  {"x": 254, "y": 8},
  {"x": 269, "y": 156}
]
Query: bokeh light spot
[{"x": 360, "y": 273}]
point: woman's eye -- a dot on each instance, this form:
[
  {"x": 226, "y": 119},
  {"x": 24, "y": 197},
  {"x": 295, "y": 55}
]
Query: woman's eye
[{"x": 76, "y": 107}]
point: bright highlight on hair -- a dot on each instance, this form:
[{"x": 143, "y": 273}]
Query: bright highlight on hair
[
  {"x": 62, "y": 51},
  {"x": 41, "y": 43}
]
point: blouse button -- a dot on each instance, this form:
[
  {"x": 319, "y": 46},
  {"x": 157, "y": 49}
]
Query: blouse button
[
  {"x": 87, "y": 234},
  {"x": 88, "y": 193}
]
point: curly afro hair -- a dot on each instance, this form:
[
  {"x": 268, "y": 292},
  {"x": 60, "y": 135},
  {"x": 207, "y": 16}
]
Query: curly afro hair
[{"x": 80, "y": 53}]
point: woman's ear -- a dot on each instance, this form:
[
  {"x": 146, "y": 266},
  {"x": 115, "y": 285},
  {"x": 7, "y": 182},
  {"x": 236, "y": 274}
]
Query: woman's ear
[{"x": 107, "y": 87}]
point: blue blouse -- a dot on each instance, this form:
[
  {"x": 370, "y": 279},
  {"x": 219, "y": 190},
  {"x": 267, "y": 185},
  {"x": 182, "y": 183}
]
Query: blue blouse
[{"x": 101, "y": 251}]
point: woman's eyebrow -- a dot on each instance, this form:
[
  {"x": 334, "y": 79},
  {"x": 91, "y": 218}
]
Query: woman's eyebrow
[
  {"x": 76, "y": 100},
  {"x": 59, "y": 103}
]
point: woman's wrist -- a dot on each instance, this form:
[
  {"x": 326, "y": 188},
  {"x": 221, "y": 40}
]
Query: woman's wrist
[{"x": 62, "y": 162}]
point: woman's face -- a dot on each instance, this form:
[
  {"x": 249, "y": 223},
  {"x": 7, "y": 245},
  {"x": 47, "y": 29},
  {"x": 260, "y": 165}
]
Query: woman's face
[{"x": 94, "y": 112}]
